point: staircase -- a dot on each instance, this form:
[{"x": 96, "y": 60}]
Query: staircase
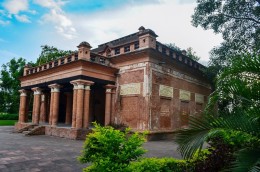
[{"x": 32, "y": 130}]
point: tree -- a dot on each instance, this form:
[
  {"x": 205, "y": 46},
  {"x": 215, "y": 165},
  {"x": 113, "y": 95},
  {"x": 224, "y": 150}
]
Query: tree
[
  {"x": 237, "y": 20},
  {"x": 192, "y": 54},
  {"x": 239, "y": 86},
  {"x": 10, "y": 85},
  {"x": 50, "y": 53},
  {"x": 173, "y": 46}
]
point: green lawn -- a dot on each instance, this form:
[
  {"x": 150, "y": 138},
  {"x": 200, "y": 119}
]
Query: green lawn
[{"x": 7, "y": 122}]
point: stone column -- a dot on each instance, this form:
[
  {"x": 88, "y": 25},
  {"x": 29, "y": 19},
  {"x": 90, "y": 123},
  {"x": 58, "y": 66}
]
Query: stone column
[
  {"x": 68, "y": 108},
  {"x": 86, "y": 104},
  {"x": 108, "y": 103},
  {"x": 74, "y": 105},
  {"x": 113, "y": 97},
  {"x": 55, "y": 104},
  {"x": 80, "y": 103},
  {"x": 43, "y": 111},
  {"x": 23, "y": 105},
  {"x": 51, "y": 106},
  {"x": 36, "y": 105},
  {"x": 33, "y": 109}
]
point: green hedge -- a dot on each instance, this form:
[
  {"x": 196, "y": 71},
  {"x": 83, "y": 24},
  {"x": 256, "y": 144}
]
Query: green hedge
[
  {"x": 160, "y": 165},
  {"x": 6, "y": 116}
]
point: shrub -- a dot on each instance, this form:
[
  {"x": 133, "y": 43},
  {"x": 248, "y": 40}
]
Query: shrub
[
  {"x": 111, "y": 150},
  {"x": 219, "y": 156},
  {"x": 234, "y": 139},
  {"x": 159, "y": 165},
  {"x": 6, "y": 116}
]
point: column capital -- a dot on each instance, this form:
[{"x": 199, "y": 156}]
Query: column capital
[
  {"x": 55, "y": 88},
  {"x": 80, "y": 84},
  {"x": 42, "y": 97},
  {"x": 23, "y": 92},
  {"x": 109, "y": 88},
  {"x": 87, "y": 87},
  {"x": 37, "y": 90}
]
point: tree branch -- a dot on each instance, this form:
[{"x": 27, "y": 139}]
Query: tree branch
[{"x": 242, "y": 18}]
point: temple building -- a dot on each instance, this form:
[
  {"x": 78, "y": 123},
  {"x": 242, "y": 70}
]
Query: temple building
[{"x": 134, "y": 80}]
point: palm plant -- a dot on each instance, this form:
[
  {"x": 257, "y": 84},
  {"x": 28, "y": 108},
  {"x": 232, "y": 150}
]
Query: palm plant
[{"x": 238, "y": 87}]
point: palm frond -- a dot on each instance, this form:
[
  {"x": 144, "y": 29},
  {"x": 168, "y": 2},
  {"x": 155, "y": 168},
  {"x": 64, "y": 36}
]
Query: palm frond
[
  {"x": 247, "y": 160},
  {"x": 193, "y": 138}
]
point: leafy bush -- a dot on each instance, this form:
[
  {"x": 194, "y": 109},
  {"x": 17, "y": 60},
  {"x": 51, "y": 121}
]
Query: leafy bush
[
  {"x": 111, "y": 150},
  {"x": 6, "y": 116},
  {"x": 234, "y": 139},
  {"x": 159, "y": 165}
]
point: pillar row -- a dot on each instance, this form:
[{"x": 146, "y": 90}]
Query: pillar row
[
  {"x": 23, "y": 106},
  {"x": 81, "y": 96}
]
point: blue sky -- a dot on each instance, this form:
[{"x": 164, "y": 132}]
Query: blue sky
[{"x": 25, "y": 25}]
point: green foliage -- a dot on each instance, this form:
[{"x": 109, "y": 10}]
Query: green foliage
[
  {"x": 234, "y": 139},
  {"x": 7, "y": 122},
  {"x": 9, "y": 95},
  {"x": 174, "y": 47},
  {"x": 159, "y": 165},
  {"x": 192, "y": 54},
  {"x": 6, "y": 116},
  {"x": 50, "y": 53},
  {"x": 237, "y": 89},
  {"x": 237, "y": 20},
  {"x": 111, "y": 150}
]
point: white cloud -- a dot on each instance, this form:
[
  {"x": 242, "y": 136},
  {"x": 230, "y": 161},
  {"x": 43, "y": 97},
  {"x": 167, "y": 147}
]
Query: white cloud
[
  {"x": 4, "y": 23},
  {"x": 53, "y": 4},
  {"x": 58, "y": 17},
  {"x": 171, "y": 20},
  {"x": 15, "y": 6},
  {"x": 22, "y": 18},
  {"x": 32, "y": 12}
]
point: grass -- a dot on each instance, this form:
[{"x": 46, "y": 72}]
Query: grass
[{"x": 7, "y": 122}]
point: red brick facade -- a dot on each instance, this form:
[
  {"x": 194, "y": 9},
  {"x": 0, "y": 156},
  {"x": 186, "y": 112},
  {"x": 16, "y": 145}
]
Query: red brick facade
[{"x": 134, "y": 80}]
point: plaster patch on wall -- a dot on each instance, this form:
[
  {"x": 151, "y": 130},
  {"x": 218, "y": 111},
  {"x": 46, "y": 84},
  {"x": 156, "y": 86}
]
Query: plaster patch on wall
[
  {"x": 184, "y": 95},
  {"x": 199, "y": 98},
  {"x": 166, "y": 91},
  {"x": 133, "y": 88}
]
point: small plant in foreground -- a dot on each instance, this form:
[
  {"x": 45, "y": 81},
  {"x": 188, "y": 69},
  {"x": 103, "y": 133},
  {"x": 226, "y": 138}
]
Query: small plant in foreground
[{"x": 109, "y": 149}]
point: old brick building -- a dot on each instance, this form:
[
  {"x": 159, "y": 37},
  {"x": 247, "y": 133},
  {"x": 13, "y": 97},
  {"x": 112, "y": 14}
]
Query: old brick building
[{"x": 134, "y": 80}]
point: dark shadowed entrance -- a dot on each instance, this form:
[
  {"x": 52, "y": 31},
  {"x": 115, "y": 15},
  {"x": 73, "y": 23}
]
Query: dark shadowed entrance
[{"x": 97, "y": 104}]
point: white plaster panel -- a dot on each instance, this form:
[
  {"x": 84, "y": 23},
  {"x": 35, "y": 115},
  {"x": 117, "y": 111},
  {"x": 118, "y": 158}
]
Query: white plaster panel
[
  {"x": 199, "y": 98},
  {"x": 166, "y": 91},
  {"x": 133, "y": 88},
  {"x": 185, "y": 95}
]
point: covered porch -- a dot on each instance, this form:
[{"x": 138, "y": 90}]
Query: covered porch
[{"x": 68, "y": 97}]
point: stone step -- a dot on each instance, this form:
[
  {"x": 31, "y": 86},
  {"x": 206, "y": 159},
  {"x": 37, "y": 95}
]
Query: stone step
[
  {"x": 30, "y": 129},
  {"x": 26, "y": 132}
]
